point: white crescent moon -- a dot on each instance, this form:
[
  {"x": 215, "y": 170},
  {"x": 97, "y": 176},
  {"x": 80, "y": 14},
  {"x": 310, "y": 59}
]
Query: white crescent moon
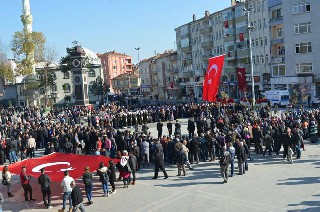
[
  {"x": 38, "y": 168},
  {"x": 214, "y": 66},
  {"x": 239, "y": 73}
]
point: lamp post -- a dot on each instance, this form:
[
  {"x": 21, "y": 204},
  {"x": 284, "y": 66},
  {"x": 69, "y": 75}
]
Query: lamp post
[
  {"x": 247, "y": 11},
  {"x": 129, "y": 86},
  {"x": 138, "y": 62}
]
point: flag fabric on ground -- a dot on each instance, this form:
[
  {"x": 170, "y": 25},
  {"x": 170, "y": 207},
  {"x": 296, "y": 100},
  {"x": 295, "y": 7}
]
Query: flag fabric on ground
[
  {"x": 56, "y": 163},
  {"x": 212, "y": 79}
]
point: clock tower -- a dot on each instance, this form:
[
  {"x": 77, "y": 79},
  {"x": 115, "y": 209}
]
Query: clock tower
[{"x": 79, "y": 75}]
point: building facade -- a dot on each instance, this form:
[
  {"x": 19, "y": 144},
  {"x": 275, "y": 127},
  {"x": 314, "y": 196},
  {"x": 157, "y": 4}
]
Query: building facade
[
  {"x": 159, "y": 76},
  {"x": 72, "y": 86},
  {"x": 296, "y": 46},
  {"x": 114, "y": 64},
  {"x": 225, "y": 32}
]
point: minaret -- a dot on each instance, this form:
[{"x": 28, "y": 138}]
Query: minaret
[
  {"x": 26, "y": 19},
  {"x": 26, "y": 16}
]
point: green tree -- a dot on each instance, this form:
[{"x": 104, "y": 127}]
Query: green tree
[
  {"x": 6, "y": 71},
  {"x": 100, "y": 88},
  {"x": 27, "y": 48}
]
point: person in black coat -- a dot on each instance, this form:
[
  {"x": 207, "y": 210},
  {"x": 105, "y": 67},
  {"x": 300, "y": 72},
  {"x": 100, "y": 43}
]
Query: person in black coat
[
  {"x": 159, "y": 128},
  {"x": 241, "y": 156},
  {"x": 112, "y": 175},
  {"x": 191, "y": 127},
  {"x": 77, "y": 198},
  {"x": 44, "y": 181},
  {"x": 159, "y": 164},
  {"x": 169, "y": 126}
]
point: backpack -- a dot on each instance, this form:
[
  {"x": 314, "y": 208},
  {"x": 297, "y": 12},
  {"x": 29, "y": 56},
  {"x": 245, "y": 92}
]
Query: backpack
[{"x": 87, "y": 180}]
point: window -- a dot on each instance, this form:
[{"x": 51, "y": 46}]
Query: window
[
  {"x": 278, "y": 70},
  {"x": 302, "y": 48},
  {"x": 92, "y": 73},
  {"x": 276, "y": 14},
  {"x": 281, "y": 50},
  {"x": 261, "y": 41},
  {"x": 303, "y": 68},
  {"x": 66, "y": 88},
  {"x": 254, "y": 60},
  {"x": 302, "y": 28},
  {"x": 258, "y": 59},
  {"x": 66, "y": 75},
  {"x": 264, "y": 23},
  {"x": 262, "y": 59},
  {"x": 260, "y": 24},
  {"x": 114, "y": 67},
  {"x": 54, "y": 88},
  {"x": 267, "y": 58},
  {"x": 301, "y": 7},
  {"x": 265, "y": 41},
  {"x": 252, "y": 42},
  {"x": 115, "y": 61},
  {"x": 279, "y": 32},
  {"x": 257, "y": 42}
]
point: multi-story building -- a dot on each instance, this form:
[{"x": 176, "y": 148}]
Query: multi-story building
[
  {"x": 126, "y": 83},
  {"x": 114, "y": 64},
  {"x": 225, "y": 32},
  {"x": 159, "y": 76},
  {"x": 295, "y": 45}
]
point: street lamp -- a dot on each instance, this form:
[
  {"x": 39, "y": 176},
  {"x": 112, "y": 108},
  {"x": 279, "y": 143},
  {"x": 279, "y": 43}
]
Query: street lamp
[
  {"x": 138, "y": 62},
  {"x": 247, "y": 11}
]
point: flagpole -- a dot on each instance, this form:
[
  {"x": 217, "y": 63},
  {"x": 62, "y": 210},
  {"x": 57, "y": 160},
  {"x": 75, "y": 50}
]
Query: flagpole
[{"x": 248, "y": 10}]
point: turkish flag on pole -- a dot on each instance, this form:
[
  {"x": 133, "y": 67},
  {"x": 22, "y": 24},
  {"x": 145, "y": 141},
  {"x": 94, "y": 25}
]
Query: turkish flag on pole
[
  {"x": 56, "y": 163},
  {"x": 212, "y": 79},
  {"x": 242, "y": 83}
]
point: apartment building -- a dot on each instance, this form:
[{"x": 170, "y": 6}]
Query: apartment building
[
  {"x": 225, "y": 32},
  {"x": 159, "y": 76},
  {"x": 296, "y": 46},
  {"x": 115, "y": 64}
]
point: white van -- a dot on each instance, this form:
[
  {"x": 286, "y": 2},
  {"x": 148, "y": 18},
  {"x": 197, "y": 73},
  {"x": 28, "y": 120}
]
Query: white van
[{"x": 277, "y": 97}]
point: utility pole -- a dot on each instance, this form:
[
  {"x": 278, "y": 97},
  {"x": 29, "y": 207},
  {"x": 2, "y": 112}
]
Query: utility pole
[{"x": 248, "y": 10}]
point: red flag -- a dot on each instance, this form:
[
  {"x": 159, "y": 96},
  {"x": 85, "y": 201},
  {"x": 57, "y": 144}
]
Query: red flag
[
  {"x": 242, "y": 83},
  {"x": 55, "y": 164},
  {"x": 241, "y": 37},
  {"x": 226, "y": 24},
  {"x": 212, "y": 78}
]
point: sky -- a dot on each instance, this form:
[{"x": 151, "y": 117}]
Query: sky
[{"x": 106, "y": 25}]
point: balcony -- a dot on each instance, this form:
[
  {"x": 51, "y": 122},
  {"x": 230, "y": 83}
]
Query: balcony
[
  {"x": 205, "y": 58},
  {"x": 278, "y": 40},
  {"x": 186, "y": 49},
  {"x": 206, "y": 30},
  {"x": 173, "y": 70},
  {"x": 277, "y": 60},
  {"x": 207, "y": 44},
  {"x": 276, "y": 21}
]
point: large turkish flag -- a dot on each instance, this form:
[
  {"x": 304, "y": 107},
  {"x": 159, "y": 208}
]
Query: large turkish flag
[
  {"x": 212, "y": 79},
  {"x": 56, "y": 163},
  {"x": 242, "y": 83}
]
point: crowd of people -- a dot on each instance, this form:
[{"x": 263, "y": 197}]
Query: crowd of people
[{"x": 224, "y": 133}]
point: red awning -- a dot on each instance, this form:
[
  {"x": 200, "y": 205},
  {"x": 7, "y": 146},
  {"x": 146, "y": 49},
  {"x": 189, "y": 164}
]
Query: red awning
[{"x": 56, "y": 163}]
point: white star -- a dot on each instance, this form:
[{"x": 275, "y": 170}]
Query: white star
[{"x": 209, "y": 82}]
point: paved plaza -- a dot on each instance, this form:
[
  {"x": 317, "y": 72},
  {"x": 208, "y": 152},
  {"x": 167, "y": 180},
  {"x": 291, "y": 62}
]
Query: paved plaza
[{"x": 271, "y": 184}]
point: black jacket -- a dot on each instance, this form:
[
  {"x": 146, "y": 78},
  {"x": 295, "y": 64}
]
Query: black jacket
[
  {"x": 44, "y": 180},
  {"x": 76, "y": 196}
]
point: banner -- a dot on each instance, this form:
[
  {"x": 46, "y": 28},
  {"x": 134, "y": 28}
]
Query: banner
[
  {"x": 241, "y": 37},
  {"x": 226, "y": 24},
  {"x": 242, "y": 83},
  {"x": 56, "y": 163},
  {"x": 212, "y": 79}
]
